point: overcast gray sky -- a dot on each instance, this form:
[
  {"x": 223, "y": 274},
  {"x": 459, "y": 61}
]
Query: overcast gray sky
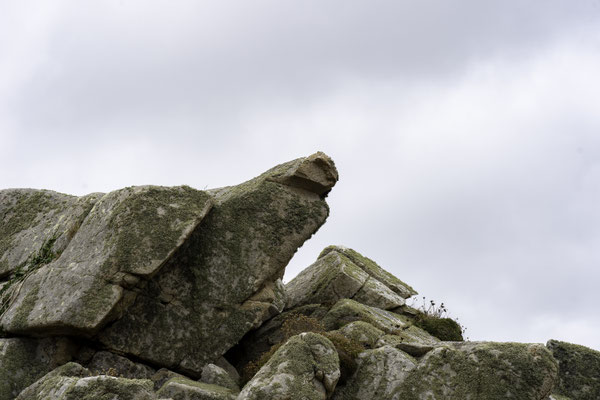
[{"x": 466, "y": 132}]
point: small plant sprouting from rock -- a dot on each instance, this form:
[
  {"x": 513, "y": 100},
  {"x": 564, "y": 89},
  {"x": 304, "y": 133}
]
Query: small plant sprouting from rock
[
  {"x": 43, "y": 256},
  {"x": 434, "y": 319}
]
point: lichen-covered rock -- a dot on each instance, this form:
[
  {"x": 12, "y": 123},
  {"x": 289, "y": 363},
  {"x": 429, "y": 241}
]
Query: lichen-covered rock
[
  {"x": 374, "y": 270},
  {"x": 128, "y": 234},
  {"x": 186, "y": 389},
  {"x": 162, "y": 376},
  {"x": 362, "y": 332},
  {"x": 334, "y": 276},
  {"x": 578, "y": 370},
  {"x": 257, "y": 342},
  {"x": 104, "y": 362},
  {"x": 347, "y": 310},
  {"x": 109, "y": 387},
  {"x": 412, "y": 340},
  {"x": 306, "y": 367},
  {"x": 230, "y": 369},
  {"x": 224, "y": 281},
  {"x": 23, "y": 361},
  {"x": 170, "y": 276},
  {"x": 72, "y": 382},
  {"x": 215, "y": 375},
  {"x": 30, "y": 218},
  {"x": 379, "y": 374},
  {"x": 55, "y": 383},
  {"x": 484, "y": 370}
]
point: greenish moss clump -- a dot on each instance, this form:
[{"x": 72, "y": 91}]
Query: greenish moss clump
[
  {"x": 482, "y": 371},
  {"x": 579, "y": 370},
  {"x": 445, "y": 329}
]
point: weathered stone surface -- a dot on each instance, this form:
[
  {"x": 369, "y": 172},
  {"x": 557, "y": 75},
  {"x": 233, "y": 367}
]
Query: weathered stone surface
[
  {"x": 362, "y": 332},
  {"x": 374, "y": 270},
  {"x": 483, "y": 370},
  {"x": 128, "y": 234},
  {"x": 72, "y": 382},
  {"x": 347, "y": 310},
  {"x": 306, "y": 367},
  {"x": 315, "y": 173},
  {"x": 186, "y": 389},
  {"x": 30, "y": 218},
  {"x": 55, "y": 383},
  {"x": 224, "y": 280},
  {"x": 162, "y": 376},
  {"x": 558, "y": 397},
  {"x": 104, "y": 362},
  {"x": 23, "y": 361},
  {"x": 412, "y": 340},
  {"x": 334, "y": 276},
  {"x": 578, "y": 370},
  {"x": 109, "y": 387},
  {"x": 379, "y": 374},
  {"x": 259, "y": 341},
  {"x": 230, "y": 369},
  {"x": 215, "y": 375}
]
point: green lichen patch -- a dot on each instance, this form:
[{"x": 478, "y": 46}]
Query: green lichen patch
[
  {"x": 379, "y": 374},
  {"x": 150, "y": 223},
  {"x": 326, "y": 281},
  {"x": 579, "y": 370},
  {"x": 186, "y": 389},
  {"x": 347, "y": 310},
  {"x": 59, "y": 380},
  {"x": 104, "y": 387},
  {"x": 21, "y": 209},
  {"x": 482, "y": 371},
  {"x": 362, "y": 332},
  {"x": 373, "y": 269},
  {"x": 30, "y": 217},
  {"x": 304, "y": 367}
]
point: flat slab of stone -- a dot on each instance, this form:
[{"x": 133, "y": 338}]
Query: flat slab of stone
[
  {"x": 347, "y": 310},
  {"x": 334, "y": 276},
  {"x": 128, "y": 234},
  {"x": 373, "y": 269}
]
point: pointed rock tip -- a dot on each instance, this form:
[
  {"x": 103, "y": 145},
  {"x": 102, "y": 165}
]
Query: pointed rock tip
[{"x": 316, "y": 173}]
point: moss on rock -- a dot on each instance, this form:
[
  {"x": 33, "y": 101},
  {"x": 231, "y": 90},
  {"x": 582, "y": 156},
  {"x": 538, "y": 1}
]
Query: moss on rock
[
  {"x": 306, "y": 367},
  {"x": 445, "y": 329},
  {"x": 485, "y": 370},
  {"x": 579, "y": 370}
]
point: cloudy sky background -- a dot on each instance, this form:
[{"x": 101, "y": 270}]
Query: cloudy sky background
[{"x": 466, "y": 133}]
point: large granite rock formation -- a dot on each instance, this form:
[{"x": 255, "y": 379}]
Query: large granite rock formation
[{"x": 175, "y": 293}]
